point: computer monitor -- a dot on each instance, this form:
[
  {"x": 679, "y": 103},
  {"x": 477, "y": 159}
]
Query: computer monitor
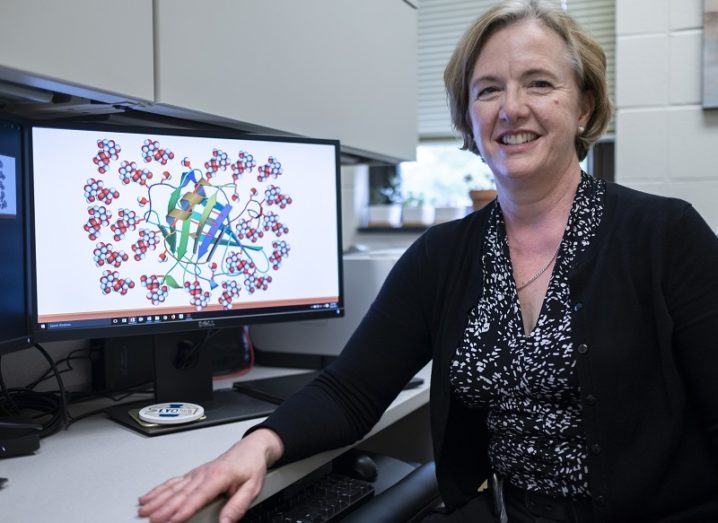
[
  {"x": 13, "y": 292},
  {"x": 157, "y": 231}
]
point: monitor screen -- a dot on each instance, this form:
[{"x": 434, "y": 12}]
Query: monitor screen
[
  {"x": 13, "y": 299},
  {"x": 143, "y": 231}
]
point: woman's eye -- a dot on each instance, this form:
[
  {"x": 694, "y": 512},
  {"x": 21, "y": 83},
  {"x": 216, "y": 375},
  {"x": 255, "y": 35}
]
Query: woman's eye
[
  {"x": 486, "y": 91},
  {"x": 541, "y": 84}
]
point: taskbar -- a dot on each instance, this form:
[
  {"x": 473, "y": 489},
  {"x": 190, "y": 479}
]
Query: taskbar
[{"x": 185, "y": 317}]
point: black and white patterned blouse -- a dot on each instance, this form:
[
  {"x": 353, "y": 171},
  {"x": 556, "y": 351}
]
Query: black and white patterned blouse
[{"x": 529, "y": 383}]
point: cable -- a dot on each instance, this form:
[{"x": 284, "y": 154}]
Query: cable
[
  {"x": 63, "y": 396},
  {"x": 47, "y": 404},
  {"x": 250, "y": 346},
  {"x": 49, "y": 376},
  {"x": 44, "y": 403},
  {"x": 185, "y": 360},
  {"x": 54, "y": 404},
  {"x": 142, "y": 388},
  {"x": 244, "y": 341},
  {"x": 11, "y": 402},
  {"x": 51, "y": 408},
  {"x": 66, "y": 360},
  {"x": 2, "y": 381}
]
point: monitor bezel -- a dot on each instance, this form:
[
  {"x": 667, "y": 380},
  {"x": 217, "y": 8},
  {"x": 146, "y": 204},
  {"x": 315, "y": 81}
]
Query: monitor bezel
[
  {"x": 247, "y": 316},
  {"x": 23, "y": 341}
]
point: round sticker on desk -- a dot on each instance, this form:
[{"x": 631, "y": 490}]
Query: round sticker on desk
[{"x": 171, "y": 413}]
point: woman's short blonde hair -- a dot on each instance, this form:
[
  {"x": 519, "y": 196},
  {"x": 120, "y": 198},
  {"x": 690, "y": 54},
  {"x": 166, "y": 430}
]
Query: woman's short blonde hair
[{"x": 587, "y": 56}]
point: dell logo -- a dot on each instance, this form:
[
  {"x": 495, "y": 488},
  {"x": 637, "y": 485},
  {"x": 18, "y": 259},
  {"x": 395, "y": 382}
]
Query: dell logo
[{"x": 206, "y": 324}]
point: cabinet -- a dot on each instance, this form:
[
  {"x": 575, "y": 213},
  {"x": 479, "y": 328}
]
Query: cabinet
[
  {"x": 100, "y": 48},
  {"x": 322, "y": 68}
]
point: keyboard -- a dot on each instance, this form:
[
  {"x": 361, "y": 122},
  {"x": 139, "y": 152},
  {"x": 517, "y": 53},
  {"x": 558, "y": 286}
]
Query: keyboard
[{"x": 326, "y": 498}]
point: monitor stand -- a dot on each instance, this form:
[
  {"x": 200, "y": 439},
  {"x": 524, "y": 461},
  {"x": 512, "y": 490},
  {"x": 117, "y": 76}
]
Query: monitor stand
[
  {"x": 183, "y": 373},
  {"x": 276, "y": 389}
]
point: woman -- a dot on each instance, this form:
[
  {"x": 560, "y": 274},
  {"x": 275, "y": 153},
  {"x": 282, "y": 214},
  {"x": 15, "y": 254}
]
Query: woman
[{"x": 570, "y": 322}]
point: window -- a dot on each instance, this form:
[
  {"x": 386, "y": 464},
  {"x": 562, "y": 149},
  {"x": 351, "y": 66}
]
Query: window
[{"x": 442, "y": 175}]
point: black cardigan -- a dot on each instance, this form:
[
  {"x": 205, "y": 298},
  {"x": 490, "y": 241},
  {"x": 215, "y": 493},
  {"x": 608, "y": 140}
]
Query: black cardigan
[{"x": 645, "y": 302}]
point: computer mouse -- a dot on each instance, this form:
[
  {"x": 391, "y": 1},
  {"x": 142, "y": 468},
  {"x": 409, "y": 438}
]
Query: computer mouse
[{"x": 363, "y": 467}]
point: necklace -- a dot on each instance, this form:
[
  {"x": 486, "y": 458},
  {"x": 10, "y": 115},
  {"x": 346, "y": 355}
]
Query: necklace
[{"x": 523, "y": 285}]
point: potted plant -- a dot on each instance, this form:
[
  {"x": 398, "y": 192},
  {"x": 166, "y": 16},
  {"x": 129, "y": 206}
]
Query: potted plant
[
  {"x": 482, "y": 189},
  {"x": 417, "y": 212},
  {"x": 385, "y": 205}
]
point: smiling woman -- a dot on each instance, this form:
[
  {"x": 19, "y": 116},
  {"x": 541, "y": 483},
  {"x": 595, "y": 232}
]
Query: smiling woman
[{"x": 527, "y": 92}]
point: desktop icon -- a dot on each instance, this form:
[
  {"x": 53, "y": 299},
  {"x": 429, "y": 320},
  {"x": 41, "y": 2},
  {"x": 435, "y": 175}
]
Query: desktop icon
[
  {"x": 172, "y": 317},
  {"x": 181, "y": 316},
  {"x": 124, "y": 320},
  {"x": 114, "y": 320},
  {"x": 164, "y": 317},
  {"x": 157, "y": 318}
]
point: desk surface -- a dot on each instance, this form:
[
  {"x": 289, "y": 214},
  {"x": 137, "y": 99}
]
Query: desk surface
[{"x": 96, "y": 470}]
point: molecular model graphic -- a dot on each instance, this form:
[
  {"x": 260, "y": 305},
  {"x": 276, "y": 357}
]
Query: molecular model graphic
[
  {"x": 156, "y": 292},
  {"x": 206, "y": 236},
  {"x": 151, "y": 150},
  {"x": 96, "y": 190},
  {"x": 108, "y": 151},
  {"x": 111, "y": 282},
  {"x": 99, "y": 217},
  {"x": 104, "y": 253}
]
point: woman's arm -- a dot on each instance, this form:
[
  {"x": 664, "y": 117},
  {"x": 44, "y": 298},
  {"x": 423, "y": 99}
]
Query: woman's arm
[
  {"x": 692, "y": 297},
  {"x": 390, "y": 345}
]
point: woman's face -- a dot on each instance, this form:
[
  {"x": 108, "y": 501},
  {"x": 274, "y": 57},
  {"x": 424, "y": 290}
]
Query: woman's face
[{"x": 525, "y": 105}]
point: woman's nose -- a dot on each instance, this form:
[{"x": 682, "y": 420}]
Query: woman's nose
[{"x": 514, "y": 106}]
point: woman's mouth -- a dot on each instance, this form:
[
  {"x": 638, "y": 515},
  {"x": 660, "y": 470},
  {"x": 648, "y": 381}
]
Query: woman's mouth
[{"x": 517, "y": 138}]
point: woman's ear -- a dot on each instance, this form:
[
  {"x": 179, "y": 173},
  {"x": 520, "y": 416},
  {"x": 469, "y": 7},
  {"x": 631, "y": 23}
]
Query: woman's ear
[{"x": 588, "y": 104}]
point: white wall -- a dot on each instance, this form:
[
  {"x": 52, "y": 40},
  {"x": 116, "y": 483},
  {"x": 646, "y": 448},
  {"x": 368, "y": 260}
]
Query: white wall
[{"x": 665, "y": 142}]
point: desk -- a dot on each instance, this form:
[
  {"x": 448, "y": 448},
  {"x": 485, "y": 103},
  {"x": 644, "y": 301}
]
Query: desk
[{"x": 96, "y": 470}]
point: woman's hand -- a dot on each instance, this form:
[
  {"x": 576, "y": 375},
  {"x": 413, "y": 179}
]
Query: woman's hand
[{"x": 239, "y": 473}]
